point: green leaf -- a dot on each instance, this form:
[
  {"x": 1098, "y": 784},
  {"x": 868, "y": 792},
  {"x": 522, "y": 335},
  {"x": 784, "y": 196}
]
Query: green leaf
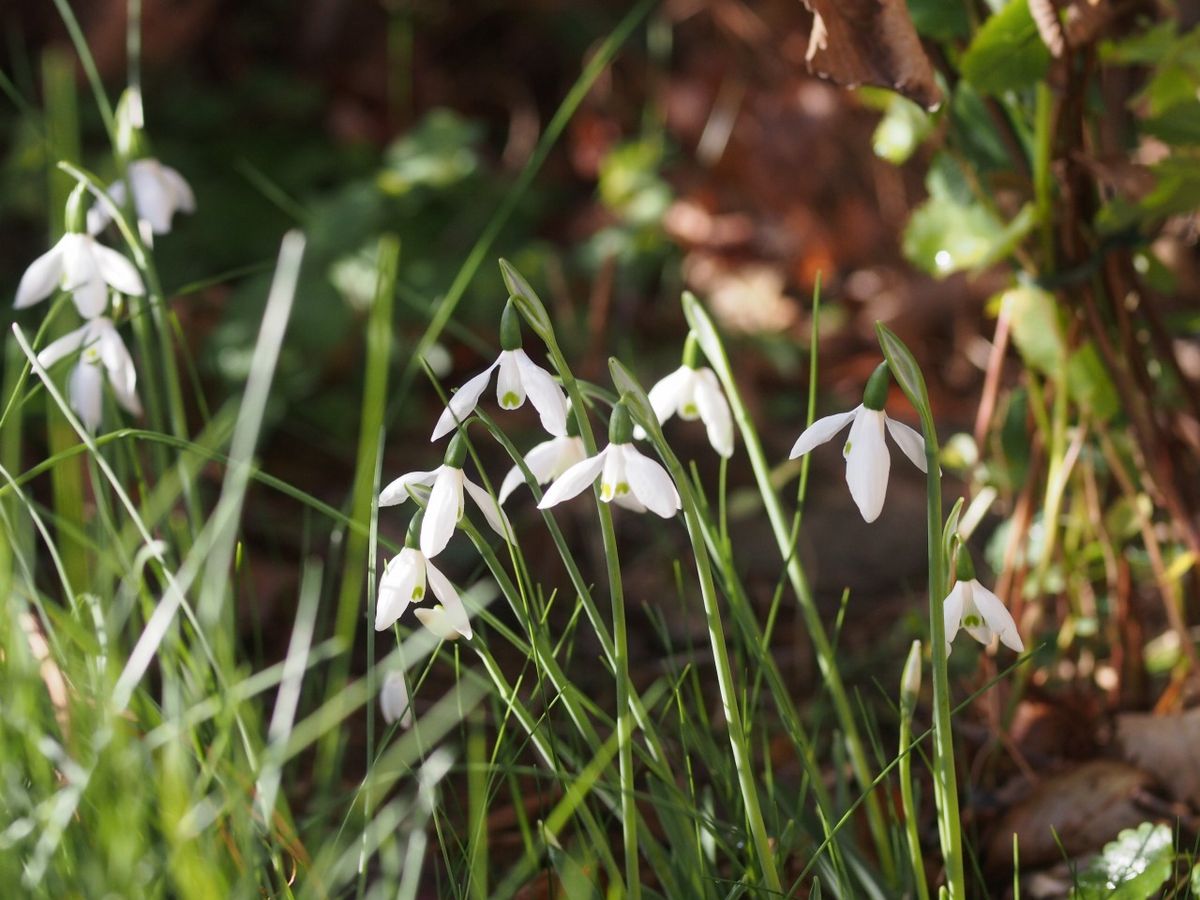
[
  {"x": 1035, "y": 327},
  {"x": 901, "y": 130},
  {"x": 1133, "y": 867},
  {"x": 1007, "y": 53},
  {"x": 943, "y": 236},
  {"x": 436, "y": 154},
  {"x": 906, "y": 371},
  {"x": 939, "y": 20},
  {"x": 528, "y": 303},
  {"x": 1178, "y": 124},
  {"x": 1089, "y": 384}
]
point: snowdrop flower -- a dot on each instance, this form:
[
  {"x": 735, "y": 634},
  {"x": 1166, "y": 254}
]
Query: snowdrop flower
[
  {"x": 393, "y": 700},
  {"x": 78, "y": 263},
  {"x": 445, "y": 505},
  {"x": 545, "y": 462},
  {"x": 404, "y": 582},
  {"x": 519, "y": 377},
  {"x": 158, "y": 191},
  {"x": 693, "y": 392},
  {"x": 439, "y": 621},
  {"x": 972, "y": 606},
  {"x": 626, "y": 476},
  {"x": 104, "y": 353},
  {"x": 867, "y": 461}
]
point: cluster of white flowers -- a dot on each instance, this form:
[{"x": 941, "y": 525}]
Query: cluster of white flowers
[
  {"x": 86, "y": 269},
  {"x": 626, "y": 476}
]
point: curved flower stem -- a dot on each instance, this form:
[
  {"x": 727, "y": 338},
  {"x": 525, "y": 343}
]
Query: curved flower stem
[{"x": 713, "y": 348}]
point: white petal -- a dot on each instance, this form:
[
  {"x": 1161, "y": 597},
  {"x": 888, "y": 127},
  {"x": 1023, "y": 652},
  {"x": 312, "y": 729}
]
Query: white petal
[
  {"x": 63, "y": 346},
  {"x": 544, "y": 393},
  {"x": 613, "y": 481},
  {"x": 714, "y": 412},
  {"x": 510, "y": 392},
  {"x": 119, "y": 272},
  {"x": 436, "y": 620},
  {"x": 181, "y": 191},
  {"x": 820, "y": 431},
  {"x": 151, "y": 195},
  {"x": 650, "y": 483},
  {"x": 81, "y": 275},
  {"x": 540, "y": 461},
  {"x": 86, "y": 391},
  {"x": 573, "y": 481},
  {"x": 952, "y": 612},
  {"x": 119, "y": 365},
  {"x": 443, "y": 511},
  {"x": 444, "y": 591},
  {"x": 393, "y": 700},
  {"x": 666, "y": 395},
  {"x": 910, "y": 441},
  {"x": 463, "y": 401},
  {"x": 490, "y": 508},
  {"x": 99, "y": 216},
  {"x": 41, "y": 278},
  {"x": 403, "y": 581},
  {"x": 630, "y": 502},
  {"x": 997, "y": 616},
  {"x": 401, "y": 489},
  {"x": 868, "y": 463}
]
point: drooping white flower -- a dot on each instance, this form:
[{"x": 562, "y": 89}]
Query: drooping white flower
[
  {"x": 394, "y": 702},
  {"x": 545, "y": 462},
  {"x": 445, "y": 505},
  {"x": 519, "y": 377},
  {"x": 868, "y": 462},
  {"x": 438, "y": 620},
  {"x": 626, "y": 476},
  {"x": 78, "y": 263},
  {"x": 104, "y": 353},
  {"x": 971, "y": 606},
  {"x": 693, "y": 392},
  {"x": 405, "y": 581},
  {"x": 158, "y": 193}
]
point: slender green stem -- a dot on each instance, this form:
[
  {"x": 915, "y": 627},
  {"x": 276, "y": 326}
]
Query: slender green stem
[{"x": 909, "y": 691}]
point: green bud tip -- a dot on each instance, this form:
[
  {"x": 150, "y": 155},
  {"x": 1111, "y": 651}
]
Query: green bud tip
[
  {"x": 964, "y": 567},
  {"x": 691, "y": 350},
  {"x": 413, "y": 539},
  {"x": 910, "y": 680},
  {"x": 876, "y": 391},
  {"x": 456, "y": 452},
  {"x": 510, "y": 327},
  {"x": 76, "y": 215},
  {"x": 620, "y": 426}
]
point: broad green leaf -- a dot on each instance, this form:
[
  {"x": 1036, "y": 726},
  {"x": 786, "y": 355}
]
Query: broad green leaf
[
  {"x": 1035, "y": 327},
  {"x": 1089, "y": 384},
  {"x": 1133, "y": 867},
  {"x": 1007, "y": 53},
  {"x": 943, "y": 236},
  {"x": 437, "y": 153}
]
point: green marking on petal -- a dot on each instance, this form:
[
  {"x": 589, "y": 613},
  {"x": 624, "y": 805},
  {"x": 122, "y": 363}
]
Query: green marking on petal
[
  {"x": 690, "y": 409},
  {"x": 606, "y": 491},
  {"x": 418, "y": 592},
  {"x": 622, "y": 488},
  {"x": 846, "y": 450},
  {"x": 972, "y": 621},
  {"x": 510, "y": 400}
]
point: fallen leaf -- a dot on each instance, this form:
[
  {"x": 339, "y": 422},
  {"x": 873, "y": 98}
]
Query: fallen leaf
[
  {"x": 1165, "y": 746},
  {"x": 855, "y": 42},
  {"x": 1085, "y": 807}
]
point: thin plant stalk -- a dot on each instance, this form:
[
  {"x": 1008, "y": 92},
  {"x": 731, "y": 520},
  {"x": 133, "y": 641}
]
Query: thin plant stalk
[{"x": 910, "y": 689}]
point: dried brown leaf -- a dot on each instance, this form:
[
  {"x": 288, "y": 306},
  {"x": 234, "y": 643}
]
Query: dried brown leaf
[
  {"x": 855, "y": 42},
  {"x": 1165, "y": 746}
]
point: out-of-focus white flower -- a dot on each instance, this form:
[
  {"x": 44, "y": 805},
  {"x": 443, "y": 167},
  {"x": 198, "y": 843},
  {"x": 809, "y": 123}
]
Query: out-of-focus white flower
[
  {"x": 519, "y": 377},
  {"x": 546, "y": 461},
  {"x": 103, "y": 353},
  {"x": 868, "y": 463},
  {"x": 393, "y": 700},
  {"x": 626, "y": 476},
  {"x": 404, "y": 582},
  {"x": 439, "y": 621},
  {"x": 973, "y": 607},
  {"x": 445, "y": 506},
  {"x": 694, "y": 393},
  {"x": 78, "y": 263},
  {"x": 158, "y": 193}
]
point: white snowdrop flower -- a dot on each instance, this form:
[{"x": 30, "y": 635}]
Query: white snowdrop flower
[
  {"x": 443, "y": 509},
  {"x": 405, "y": 581},
  {"x": 626, "y": 476},
  {"x": 394, "y": 702},
  {"x": 693, "y": 392},
  {"x": 973, "y": 607},
  {"x": 104, "y": 353},
  {"x": 438, "y": 621},
  {"x": 545, "y": 462},
  {"x": 868, "y": 463},
  {"x": 158, "y": 193},
  {"x": 519, "y": 377},
  {"x": 81, "y": 265}
]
